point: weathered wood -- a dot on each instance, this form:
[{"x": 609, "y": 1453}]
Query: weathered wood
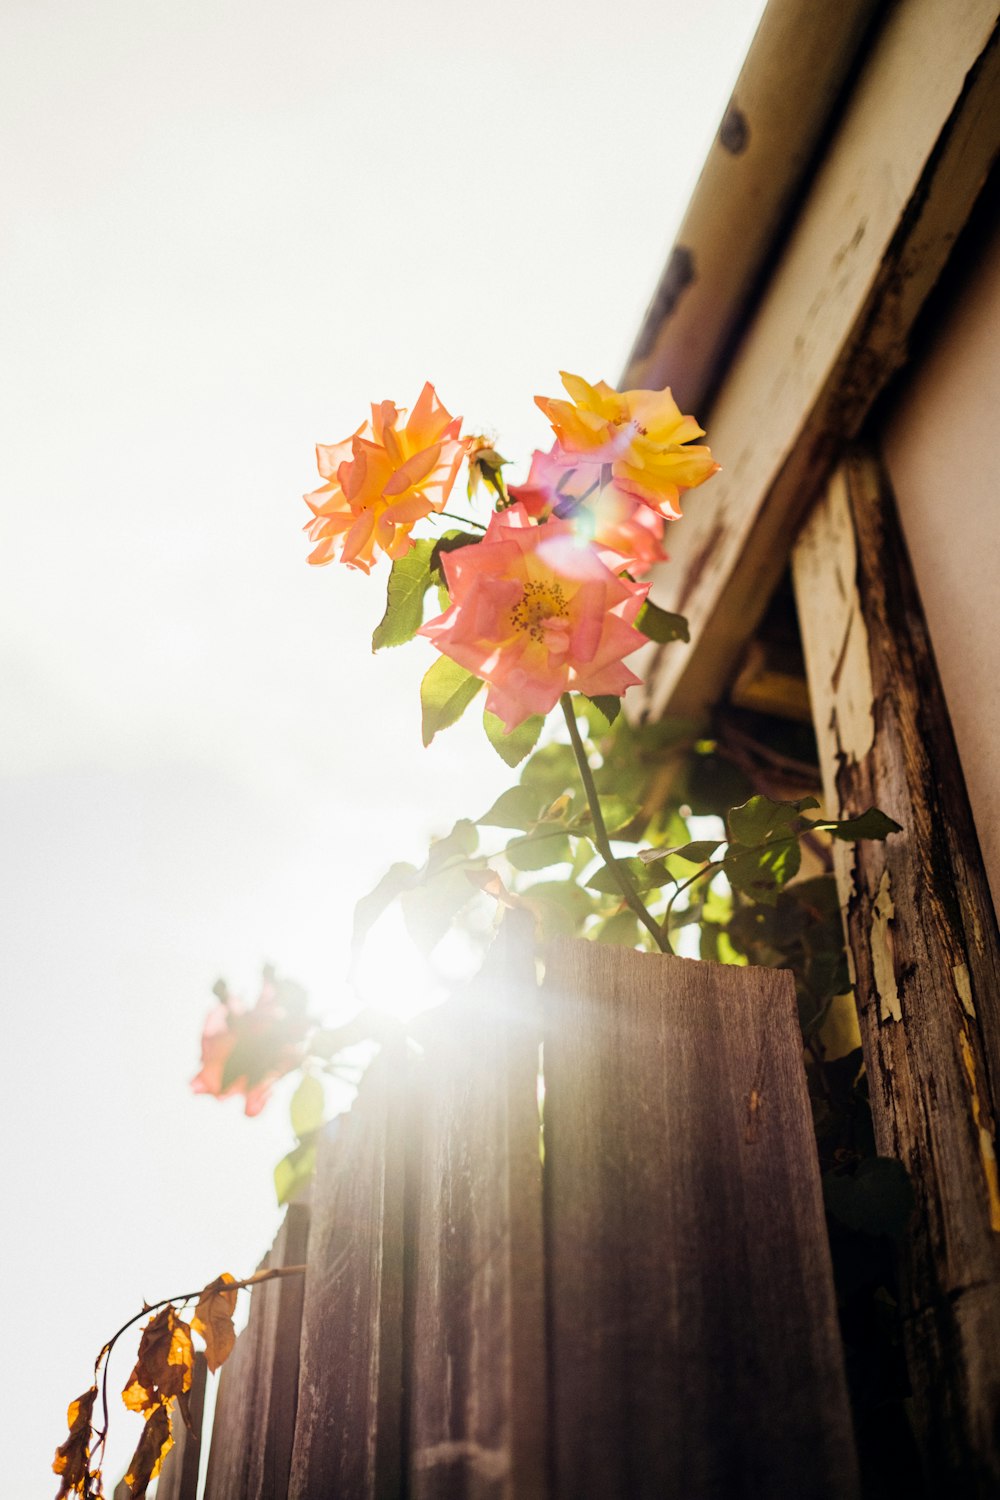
[
  {"x": 787, "y": 90},
  {"x": 179, "y": 1476},
  {"x": 255, "y": 1407},
  {"x": 918, "y": 137},
  {"x": 477, "y": 1340},
  {"x": 232, "y": 1428},
  {"x": 276, "y": 1390},
  {"x": 694, "y": 1348},
  {"x": 923, "y": 936},
  {"x": 348, "y": 1422}
]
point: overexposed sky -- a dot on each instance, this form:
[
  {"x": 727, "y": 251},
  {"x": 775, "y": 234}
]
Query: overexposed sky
[{"x": 227, "y": 227}]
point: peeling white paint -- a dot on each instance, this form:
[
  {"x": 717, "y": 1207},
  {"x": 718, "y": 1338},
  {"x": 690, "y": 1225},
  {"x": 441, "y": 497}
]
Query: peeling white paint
[
  {"x": 883, "y": 965},
  {"x": 963, "y": 988}
]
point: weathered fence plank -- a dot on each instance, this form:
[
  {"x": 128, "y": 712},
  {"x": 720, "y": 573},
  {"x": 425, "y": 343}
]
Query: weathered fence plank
[
  {"x": 255, "y": 1408},
  {"x": 348, "y": 1425},
  {"x": 179, "y": 1476},
  {"x": 233, "y": 1427},
  {"x": 476, "y": 1337},
  {"x": 276, "y": 1392},
  {"x": 694, "y": 1350},
  {"x": 923, "y": 935}
]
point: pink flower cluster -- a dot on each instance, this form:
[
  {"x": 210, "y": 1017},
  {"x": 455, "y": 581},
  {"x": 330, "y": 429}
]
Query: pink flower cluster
[
  {"x": 544, "y": 603},
  {"x": 247, "y": 1051}
]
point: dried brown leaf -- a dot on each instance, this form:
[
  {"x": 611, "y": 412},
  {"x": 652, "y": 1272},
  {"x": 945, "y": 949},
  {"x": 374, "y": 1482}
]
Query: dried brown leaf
[
  {"x": 164, "y": 1366},
  {"x": 213, "y": 1319},
  {"x": 154, "y": 1445},
  {"x": 72, "y": 1460}
]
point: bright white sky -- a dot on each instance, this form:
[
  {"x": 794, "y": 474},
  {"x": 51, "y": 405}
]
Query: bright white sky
[{"x": 228, "y": 225}]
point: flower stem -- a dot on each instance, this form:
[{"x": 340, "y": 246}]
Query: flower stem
[
  {"x": 601, "y": 839},
  {"x": 462, "y": 520}
]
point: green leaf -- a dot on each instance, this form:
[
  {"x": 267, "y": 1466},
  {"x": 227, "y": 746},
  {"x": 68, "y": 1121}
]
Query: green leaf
[
  {"x": 604, "y": 879},
  {"x": 621, "y": 929},
  {"x": 660, "y": 625},
  {"x": 868, "y": 825},
  {"x": 308, "y": 1106},
  {"x": 560, "y": 906},
  {"x": 294, "y": 1171},
  {"x": 877, "y": 1199},
  {"x": 760, "y": 818},
  {"x": 696, "y": 853},
  {"x": 517, "y": 807},
  {"x": 539, "y": 853},
  {"x": 552, "y": 769},
  {"x": 760, "y": 873},
  {"x": 513, "y": 747},
  {"x": 462, "y": 841},
  {"x": 601, "y": 712},
  {"x": 618, "y": 813},
  {"x": 409, "y": 580},
  {"x": 445, "y": 694},
  {"x": 451, "y": 541},
  {"x": 429, "y": 909},
  {"x": 398, "y": 878}
]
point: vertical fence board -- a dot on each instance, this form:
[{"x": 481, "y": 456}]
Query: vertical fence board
[
  {"x": 477, "y": 1407},
  {"x": 255, "y": 1407},
  {"x": 233, "y": 1427},
  {"x": 923, "y": 934},
  {"x": 348, "y": 1422},
  {"x": 276, "y": 1390},
  {"x": 179, "y": 1476},
  {"x": 694, "y": 1349}
]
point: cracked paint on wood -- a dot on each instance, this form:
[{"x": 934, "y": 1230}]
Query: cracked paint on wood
[
  {"x": 883, "y": 959},
  {"x": 923, "y": 937}
]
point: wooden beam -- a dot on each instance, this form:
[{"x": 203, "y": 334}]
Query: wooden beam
[
  {"x": 785, "y": 95},
  {"x": 914, "y": 147},
  {"x": 923, "y": 936}
]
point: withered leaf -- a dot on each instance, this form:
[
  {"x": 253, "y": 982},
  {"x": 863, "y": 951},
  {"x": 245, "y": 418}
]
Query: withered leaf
[
  {"x": 213, "y": 1319},
  {"x": 154, "y": 1445},
  {"x": 163, "y": 1368},
  {"x": 72, "y": 1460}
]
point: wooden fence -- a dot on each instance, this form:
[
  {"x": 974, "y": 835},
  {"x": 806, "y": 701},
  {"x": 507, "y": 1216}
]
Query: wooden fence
[{"x": 641, "y": 1306}]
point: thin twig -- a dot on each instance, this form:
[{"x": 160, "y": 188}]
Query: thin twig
[{"x": 621, "y": 876}]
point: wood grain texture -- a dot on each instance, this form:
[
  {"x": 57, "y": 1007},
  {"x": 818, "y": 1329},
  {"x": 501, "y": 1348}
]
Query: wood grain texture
[
  {"x": 477, "y": 1405},
  {"x": 923, "y": 935},
  {"x": 232, "y": 1428},
  {"x": 179, "y": 1476},
  {"x": 255, "y": 1407},
  {"x": 913, "y": 149},
  {"x": 348, "y": 1421},
  {"x": 279, "y": 1310},
  {"x": 694, "y": 1349},
  {"x": 788, "y": 88}
]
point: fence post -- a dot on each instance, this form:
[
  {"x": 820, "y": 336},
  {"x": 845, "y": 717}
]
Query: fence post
[
  {"x": 348, "y": 1422},
  {"x": 255, "y": 1406},
  {"x": 476, "y": 1337},
  {"x": 694, "y": 1348}
]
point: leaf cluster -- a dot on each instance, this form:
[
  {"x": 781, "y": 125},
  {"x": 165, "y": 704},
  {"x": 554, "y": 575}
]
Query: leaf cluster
[{"x": 160, "y": 1380}]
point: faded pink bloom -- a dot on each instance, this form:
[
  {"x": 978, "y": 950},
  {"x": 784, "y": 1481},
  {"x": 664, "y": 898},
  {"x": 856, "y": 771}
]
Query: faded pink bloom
[
  {"x": 558, "y": 484},
  {"x": 537, "y": 612},
  {"x": 246, "y": 1052}
]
